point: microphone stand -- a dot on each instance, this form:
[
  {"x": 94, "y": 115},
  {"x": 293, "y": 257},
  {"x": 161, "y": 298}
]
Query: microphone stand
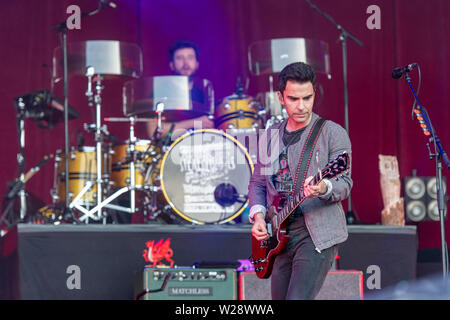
[
  {"x": 62, "y": 29},
  {"x": 343, "y": 35},
  {"x": 439, "y": 154}
]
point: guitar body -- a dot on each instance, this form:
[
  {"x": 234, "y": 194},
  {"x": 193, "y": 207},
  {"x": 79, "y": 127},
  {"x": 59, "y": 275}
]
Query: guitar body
[{"x": 264, "y": 252}]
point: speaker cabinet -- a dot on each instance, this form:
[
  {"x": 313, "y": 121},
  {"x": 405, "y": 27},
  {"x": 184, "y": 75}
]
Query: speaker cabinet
[
  {"x": 342, "y": 285},
  {"x": 338, "y": 285}
]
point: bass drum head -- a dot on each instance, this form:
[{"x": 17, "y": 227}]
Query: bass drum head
[{"x": 205, "y": 176}]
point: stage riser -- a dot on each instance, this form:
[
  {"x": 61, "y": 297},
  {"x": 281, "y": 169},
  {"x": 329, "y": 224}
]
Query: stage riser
[{"x": 108, "y": 256}]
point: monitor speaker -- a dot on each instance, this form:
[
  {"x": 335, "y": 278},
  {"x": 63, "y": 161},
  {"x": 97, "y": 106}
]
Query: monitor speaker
[{"x": 338, "y": 285}]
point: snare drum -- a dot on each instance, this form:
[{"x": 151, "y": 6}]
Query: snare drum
[
  {"x": 204, "y": 177},
  {"x": 121, "y": 157},
  {"x": 82, "y": 168},
  {"x": 237, "y": 113}
]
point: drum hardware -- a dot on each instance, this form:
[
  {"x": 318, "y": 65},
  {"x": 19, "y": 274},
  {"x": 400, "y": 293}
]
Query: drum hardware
[
  {"x": 97, "y": 60},
  {"x": 44, "y": 108},
  {"x": 107, "y": 202},
  {"x": 93, "y": 98},
  {"x": 132, "y": 156},
  {"x": 17, "y": 199}
]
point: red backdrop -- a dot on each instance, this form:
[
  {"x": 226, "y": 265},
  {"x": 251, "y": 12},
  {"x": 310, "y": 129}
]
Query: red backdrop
[{"x": 379, "y": 107}]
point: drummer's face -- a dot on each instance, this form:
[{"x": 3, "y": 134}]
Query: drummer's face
[
  {"x": 184, "y": 62},
  {"x": 298, "y": 99}
]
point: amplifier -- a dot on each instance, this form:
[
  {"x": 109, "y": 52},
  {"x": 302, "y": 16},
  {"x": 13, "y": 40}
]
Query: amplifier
[
  {"x": 338, "y": 285},
  {"x": 186, "y": 284}
]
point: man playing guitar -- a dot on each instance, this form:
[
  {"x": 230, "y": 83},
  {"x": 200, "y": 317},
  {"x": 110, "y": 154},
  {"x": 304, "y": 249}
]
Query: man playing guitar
[{"x": 318, "y": 224}]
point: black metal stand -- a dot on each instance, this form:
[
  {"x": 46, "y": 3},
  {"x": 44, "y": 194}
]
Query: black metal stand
[
  {"x": 10, "y": 218},
  {"x": 350, "y": 215},
  {"x": 68, "y": 214},
  {"x": 439, "y": 154}
]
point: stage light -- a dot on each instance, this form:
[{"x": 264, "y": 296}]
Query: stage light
[
  {"x": 421, "y": 198},
  {"x": 415, "y": 188},
  {"x": 415, "y": 211}
]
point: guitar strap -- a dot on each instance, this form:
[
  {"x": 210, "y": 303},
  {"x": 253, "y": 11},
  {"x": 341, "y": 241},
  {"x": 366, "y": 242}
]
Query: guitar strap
[{"x": 306, "y": 155}]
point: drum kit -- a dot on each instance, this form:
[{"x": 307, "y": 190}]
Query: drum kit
[{"x": 200, "y": 176}]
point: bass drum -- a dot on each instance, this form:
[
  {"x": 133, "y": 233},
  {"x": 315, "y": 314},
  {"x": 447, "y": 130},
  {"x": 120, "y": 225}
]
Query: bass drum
[{"x": 204, "y": 177}]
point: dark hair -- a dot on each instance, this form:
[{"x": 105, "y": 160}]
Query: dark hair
[
  {"x": 181, "y": 44},
  {"x": 298, "y": 72}
]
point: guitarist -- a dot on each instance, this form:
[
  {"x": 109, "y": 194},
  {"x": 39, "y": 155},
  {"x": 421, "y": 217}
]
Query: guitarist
[{"x": 318, "y": 225}]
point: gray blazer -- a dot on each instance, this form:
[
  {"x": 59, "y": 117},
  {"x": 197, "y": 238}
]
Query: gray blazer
[{"x": 324, "y": 217}]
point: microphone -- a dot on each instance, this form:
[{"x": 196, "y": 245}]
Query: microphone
[
  {"x": 239, "y": 87},
  {"x": 398, "y": 72}
]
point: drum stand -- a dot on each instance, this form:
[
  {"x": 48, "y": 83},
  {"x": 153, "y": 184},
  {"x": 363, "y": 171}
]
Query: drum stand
[
  {"x": 17, "y": 189},
  {"x": 133, "y": 156},
  {"x": 96, "y": 212}
]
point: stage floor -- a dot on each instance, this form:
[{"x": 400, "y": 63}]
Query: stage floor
[{"x": 109, "y": 256}]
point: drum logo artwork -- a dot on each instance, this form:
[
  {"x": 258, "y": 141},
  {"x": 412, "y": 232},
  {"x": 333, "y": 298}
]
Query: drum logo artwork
[
  {"x": 157, "y": 252},
  {"x": 205, "y": 176}
]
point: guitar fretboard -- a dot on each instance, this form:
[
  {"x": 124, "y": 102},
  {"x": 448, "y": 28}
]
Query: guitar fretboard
[{"x": 295, "y": 201}]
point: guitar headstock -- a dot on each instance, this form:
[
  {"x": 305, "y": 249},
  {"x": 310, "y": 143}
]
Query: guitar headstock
[{"x": 337, "y": 166}]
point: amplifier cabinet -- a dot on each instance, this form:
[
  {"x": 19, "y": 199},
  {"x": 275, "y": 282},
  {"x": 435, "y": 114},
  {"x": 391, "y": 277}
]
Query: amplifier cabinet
[
  {"x": 338, "y": 285},
  {"x": 186, "y": 284}
]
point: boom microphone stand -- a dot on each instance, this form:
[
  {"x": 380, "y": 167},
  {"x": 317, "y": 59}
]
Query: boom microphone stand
[
  {"x": 343, "y": 35},
  {"x": 62, "y": 29},
  {"x": 439, "y": 154}
]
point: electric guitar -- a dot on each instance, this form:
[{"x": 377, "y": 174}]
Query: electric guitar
[{"x": 264, "y": 252}]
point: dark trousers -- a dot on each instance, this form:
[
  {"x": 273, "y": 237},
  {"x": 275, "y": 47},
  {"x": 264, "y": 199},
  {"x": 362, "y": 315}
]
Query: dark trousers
[{"x": 299, "y": 272}]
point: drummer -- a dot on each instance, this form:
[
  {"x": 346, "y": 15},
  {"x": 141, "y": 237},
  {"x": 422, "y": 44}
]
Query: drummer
[{"x": 184, "y": 61}]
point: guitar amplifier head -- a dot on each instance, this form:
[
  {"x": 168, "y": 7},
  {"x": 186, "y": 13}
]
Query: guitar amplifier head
[{"x": 186, "y": 284}]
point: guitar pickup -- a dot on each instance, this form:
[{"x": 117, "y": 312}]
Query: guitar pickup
[{"x": 258, "y": 261}]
